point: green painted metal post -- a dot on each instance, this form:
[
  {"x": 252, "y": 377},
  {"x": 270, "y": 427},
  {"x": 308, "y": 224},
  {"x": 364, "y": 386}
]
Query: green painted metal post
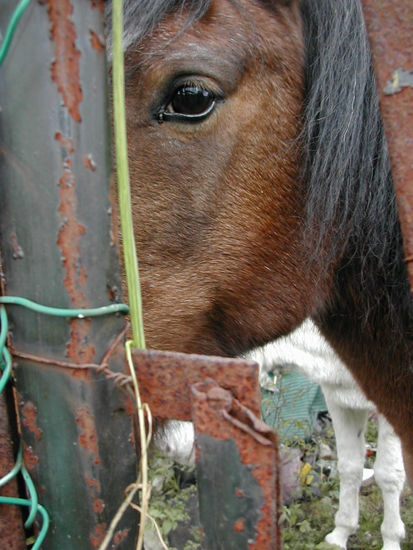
[{"x": 58, "y": 246}]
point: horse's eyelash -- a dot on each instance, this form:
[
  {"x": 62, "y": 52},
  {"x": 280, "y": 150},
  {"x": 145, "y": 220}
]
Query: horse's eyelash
[{"x": 195, "y": 83}]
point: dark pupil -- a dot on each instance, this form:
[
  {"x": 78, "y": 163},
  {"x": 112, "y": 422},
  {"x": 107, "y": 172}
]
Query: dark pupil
[{"x": 191, "y": 101}]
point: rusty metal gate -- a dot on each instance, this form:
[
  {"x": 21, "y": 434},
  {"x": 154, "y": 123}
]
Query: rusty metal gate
[{"x": 390, "y": 29}]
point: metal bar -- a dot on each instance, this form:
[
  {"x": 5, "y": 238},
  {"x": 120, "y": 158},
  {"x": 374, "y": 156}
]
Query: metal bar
[
  {"x": 58, "y": 243},
  {"x": 390, "y": 29},
  {"x": 237, "y": 473},
  {"x": 237, "y": 454},
  {"x": 165, "y": 379}
]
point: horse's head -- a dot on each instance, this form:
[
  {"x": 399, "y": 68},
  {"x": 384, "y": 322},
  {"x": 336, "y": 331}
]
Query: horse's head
[{"x": 214, "y": 110}]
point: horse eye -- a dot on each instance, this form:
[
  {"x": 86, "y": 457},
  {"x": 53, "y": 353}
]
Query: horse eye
[
  {"x": 189, "y": 104},
  {"x": 190, "y": 100}
]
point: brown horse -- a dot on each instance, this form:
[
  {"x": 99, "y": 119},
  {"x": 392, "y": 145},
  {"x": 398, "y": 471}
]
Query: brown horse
[{"x": 262, "y": 191}]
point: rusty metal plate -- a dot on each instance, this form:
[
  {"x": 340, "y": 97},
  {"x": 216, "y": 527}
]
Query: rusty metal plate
[
  {"x": 237, "y": 473},
  {"x": 390, "y": 29},
  {"x": 165, "y": 379}
]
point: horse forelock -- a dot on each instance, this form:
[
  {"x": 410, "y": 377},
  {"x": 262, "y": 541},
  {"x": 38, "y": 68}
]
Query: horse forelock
[{"x": 141, "y": 17}]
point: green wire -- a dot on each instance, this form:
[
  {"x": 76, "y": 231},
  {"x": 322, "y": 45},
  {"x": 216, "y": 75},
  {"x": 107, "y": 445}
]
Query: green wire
[
  {"x": 16, "y": 469},
  {"x": 125, "y": 207},
  {"x": 58, "y": 312},
  {"x": 4, "y": 327},
  {"x": 5, "y": 377},
  {"x": 20, "y": 467},
  {"x": 33, "y": 496},
  {"x": 17, "y": 15},
  {"x": 4, "y": 352},
  {"x": 41, "y": 509}
]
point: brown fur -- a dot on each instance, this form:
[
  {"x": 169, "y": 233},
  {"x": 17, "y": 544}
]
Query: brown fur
[{"x": 212, "y": 267}]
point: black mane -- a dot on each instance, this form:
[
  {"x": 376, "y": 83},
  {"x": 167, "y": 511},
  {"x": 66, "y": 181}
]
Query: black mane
[{"x": 351, "y": 198}]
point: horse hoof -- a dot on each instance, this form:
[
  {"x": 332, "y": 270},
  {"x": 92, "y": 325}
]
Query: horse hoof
[{"x": 338, "y": 540}]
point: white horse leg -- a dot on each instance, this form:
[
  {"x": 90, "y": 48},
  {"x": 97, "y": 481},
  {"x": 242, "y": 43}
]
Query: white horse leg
[
  {"x": 390, "y": 476},
  {"x": 177, "y": 442},
  {"x": 349, "y": 427}
]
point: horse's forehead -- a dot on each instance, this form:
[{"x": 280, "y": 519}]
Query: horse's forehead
[
  {"x": 212, "y": 33},
  {"x": 231, "y": 30}
]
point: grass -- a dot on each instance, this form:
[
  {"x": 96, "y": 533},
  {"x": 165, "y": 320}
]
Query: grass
[{"x": 306, "y": 522}]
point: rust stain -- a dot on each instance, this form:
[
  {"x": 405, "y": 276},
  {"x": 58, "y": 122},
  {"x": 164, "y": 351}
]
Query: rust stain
[
  {"x": 69, "y": 239},
  {"x": 96, "y": 538},
  {"x": 89, "y": 162},
  {"x": 167, "y": 381},
  {"x": 6, "y": 445},
  {"x": 239, "y": 525},
  {"x": 98, "y": 506},
  {"x": 65, "y": 142},
  {"x": 18, "y": 253},
  {"x": 94, "y": 484},
  {"x": 66, "y": 67},
  {"x": 31, "y": 461},
  {"x": 100, "y": 4},
  {"x": 97, "y": 43},
  {"x": 29, "y": 419},
  {"x": 113, "y": 293},
  {"x": 95, "y": 490},
  {"x": 88, "y": 438},
  {"x": 120, "y": 536},
  {"x": 78, "y": 349}
]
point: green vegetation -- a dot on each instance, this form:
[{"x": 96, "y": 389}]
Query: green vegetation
[
  {"x": 305, "y": 522},
  {"x": 170, "y": 504}
]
